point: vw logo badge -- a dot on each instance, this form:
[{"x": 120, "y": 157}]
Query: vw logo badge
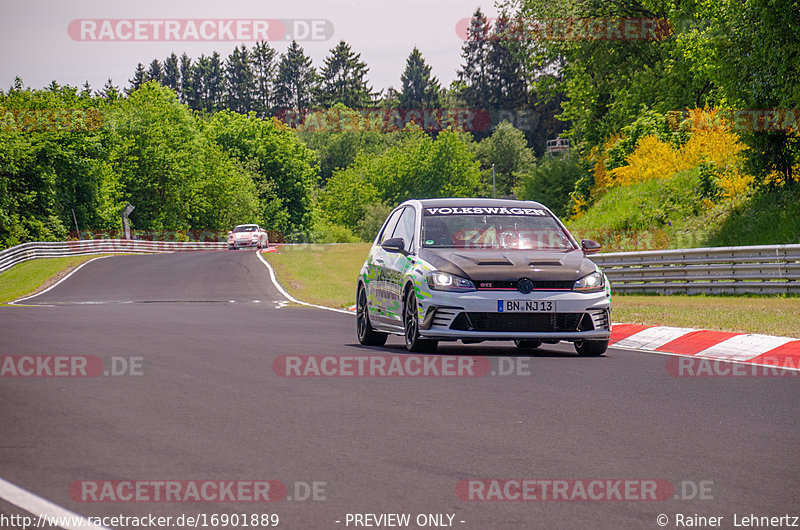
[{"x": 525, "y": 285}]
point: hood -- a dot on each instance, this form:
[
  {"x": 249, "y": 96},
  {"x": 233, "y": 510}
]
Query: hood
[
  {"x": 244, "y": 235},
  {"x": 509, "y": 265}
]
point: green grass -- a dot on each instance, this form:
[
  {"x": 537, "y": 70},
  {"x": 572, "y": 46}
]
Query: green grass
[
  {"x": 768, "y": 315},
  {"x": 326, "y": 275},
  {"x": 670, "y": 213},
  {"x": 320, "y": 274},
  {"x": 29, "y": 276}
]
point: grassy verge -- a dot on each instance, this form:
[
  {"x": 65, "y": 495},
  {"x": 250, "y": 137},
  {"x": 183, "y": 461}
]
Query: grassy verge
[
  {"x": 30, "y": 276},
  {"x": 320, "y": 274},
  {"x": 769, "y": 315},
  {"x": 326, "y": 275}
]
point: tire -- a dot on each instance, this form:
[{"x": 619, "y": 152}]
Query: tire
[
  {"x": 230, "y": 247},
  {"x": 591, "y": 348},
  {"x": 411, "y": 325},
  {"x": 366, "y": 334},
  {"x": 527, "y": 344}
]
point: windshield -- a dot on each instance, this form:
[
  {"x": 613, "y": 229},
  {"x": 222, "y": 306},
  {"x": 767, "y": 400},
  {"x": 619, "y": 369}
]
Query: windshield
[
  {"x": 248, "y": 228},
  {"x": 533, "y": 231}
]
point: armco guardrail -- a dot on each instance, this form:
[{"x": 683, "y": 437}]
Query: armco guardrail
[
  {"x": 27, "y": 251},
  {"x": 757, "y": 269}
]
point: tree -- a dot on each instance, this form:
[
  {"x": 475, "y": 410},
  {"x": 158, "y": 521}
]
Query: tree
[
  {"x": 139, "y": 78},
  {"x": 420, "y": 90},
  {"x": 214, "y": 83},
  {"x": 283, "y": 168},
  {"x": 507, "y": 149},
  {"x": 551, "y": 181},
  {"x": 109, "y": 91},
  {"x": 294, "y": 86},
  {"x": 263, "y": 66},
  {"x": 171, "y": 77},
  {"x": 507, "y": 87},
  {"x": 417, "y": 166},
  {"x": 473, "y": 73},
  {"x": 239, "y": 81},
  {"x": 343, "y": 79},
  {"x": 155, "y": 72},
  {"x": 187, "y": 79}
]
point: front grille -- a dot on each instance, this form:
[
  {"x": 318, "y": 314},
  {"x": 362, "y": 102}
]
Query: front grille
[
  {"x": 538, "y": 285},
  {"x": 533, "y": 322}
]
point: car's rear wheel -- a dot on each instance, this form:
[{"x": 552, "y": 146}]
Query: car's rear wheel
[
  {"x": 414, "y": 342},
  {"x": 366, "y": 334},
  {"x": 591, "y": 348},
  {"x": 527, "y": 344}
]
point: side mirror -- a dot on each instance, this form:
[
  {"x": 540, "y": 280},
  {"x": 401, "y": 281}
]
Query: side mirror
[
  {"x": 229, "y": 232},
  {"x": 395, "y": 244},
  {"x": 590, "y": 247}
]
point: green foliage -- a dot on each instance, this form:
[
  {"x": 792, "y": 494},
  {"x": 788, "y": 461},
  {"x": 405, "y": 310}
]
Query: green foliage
[
  {"x": 283, "y": 168},
  {"x": 337, "y": 147},
  {"x": 416, "y": 167},
  {"x": 507, "y": 149},
  {"x": 551, "y": 181},
  {"x": 420, "y": 90},
  {"x": 647, "y": 123},
  {"x": 296, "y": 80},
  {"x": 326, "y": 232},
  {"x": 374, "y": 217},
  {"x": 180, "y": 172},
  {"x": 343, "y": 79}
]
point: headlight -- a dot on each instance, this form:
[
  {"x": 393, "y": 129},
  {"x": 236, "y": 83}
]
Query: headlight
[
  {"x": 443, "y": 281},
  {"x": 592, "y": 283}
]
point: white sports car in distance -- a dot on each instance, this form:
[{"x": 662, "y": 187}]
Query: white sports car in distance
[{"x": 247, "y": 236}]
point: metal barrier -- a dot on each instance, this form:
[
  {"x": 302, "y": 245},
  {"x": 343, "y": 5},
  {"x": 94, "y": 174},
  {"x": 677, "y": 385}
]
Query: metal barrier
[
  {"x": 28, "y": 251},
  {"x": 757, "y": 269},
  {"x": 765, "y": 269}
]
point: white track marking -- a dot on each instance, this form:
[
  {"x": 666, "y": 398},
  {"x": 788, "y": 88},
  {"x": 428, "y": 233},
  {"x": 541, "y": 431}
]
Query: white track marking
[
  {"x": 699, "y": 356},
  {"x": 290, "y": 297},
  {"x": 73, "y": 271},
  {"x": 37, "y": 506},
  {"x": 652, "y": 338},
  {"x": 744, "y": 347}
]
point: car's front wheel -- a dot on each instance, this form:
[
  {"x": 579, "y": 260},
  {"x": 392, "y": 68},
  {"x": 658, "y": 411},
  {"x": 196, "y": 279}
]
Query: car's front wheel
[
  {"x": 414, "y": 342},
  {"x": 366, "y": 334},
  {"x": 591, "y": 348}
]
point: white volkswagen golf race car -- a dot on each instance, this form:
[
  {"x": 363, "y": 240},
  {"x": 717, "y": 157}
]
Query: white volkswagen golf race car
[{"x": 481, "y": 269}]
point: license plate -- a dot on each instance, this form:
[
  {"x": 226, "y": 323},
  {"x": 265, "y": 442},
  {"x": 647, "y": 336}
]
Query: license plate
[{"x": 526, "y": 306}]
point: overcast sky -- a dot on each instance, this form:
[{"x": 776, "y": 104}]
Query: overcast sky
[{"x": 36, "y": 44}]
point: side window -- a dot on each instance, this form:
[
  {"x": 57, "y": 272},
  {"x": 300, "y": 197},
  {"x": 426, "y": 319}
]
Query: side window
[
  {"x": 405, "y": 228},
  {"x": 388, "y": 227}
]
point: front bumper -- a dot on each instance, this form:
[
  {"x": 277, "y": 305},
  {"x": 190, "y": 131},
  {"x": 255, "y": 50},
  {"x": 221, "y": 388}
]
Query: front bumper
[
  {"x": 475, "y": 315},
  {"x": 243, "y": 243}
]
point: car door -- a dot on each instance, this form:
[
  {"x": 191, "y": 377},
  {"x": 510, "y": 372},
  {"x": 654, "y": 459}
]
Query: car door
[
  {"x": 396, "y": 265},
  {"x": 377, "y": 287}
]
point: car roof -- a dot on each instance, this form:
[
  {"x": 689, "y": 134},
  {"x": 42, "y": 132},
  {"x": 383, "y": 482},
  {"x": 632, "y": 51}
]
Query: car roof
[{"x": 499, "y": 203}]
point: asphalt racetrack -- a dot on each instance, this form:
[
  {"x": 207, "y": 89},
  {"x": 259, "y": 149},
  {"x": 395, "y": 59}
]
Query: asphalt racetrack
[{"x": 204, "y": 403}]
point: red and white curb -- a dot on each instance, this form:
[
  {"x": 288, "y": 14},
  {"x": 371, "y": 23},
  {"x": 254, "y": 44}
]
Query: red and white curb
[{"x": 716, "y": 345}]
